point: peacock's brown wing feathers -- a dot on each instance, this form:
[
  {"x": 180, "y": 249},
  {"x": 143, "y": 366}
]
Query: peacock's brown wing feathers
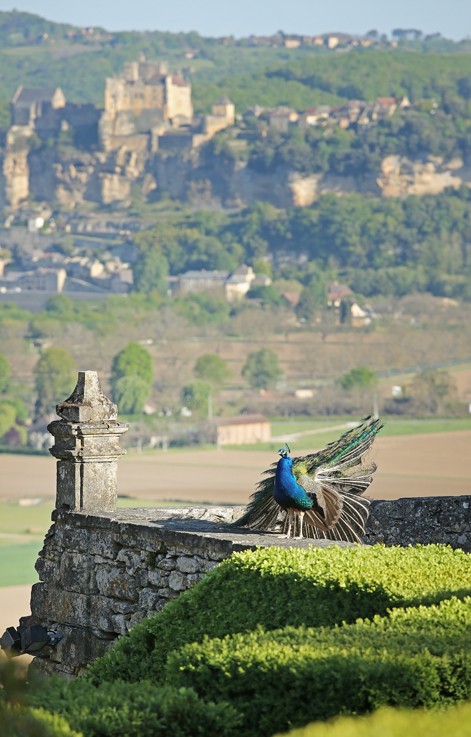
[{"x": 262, "y": 512}]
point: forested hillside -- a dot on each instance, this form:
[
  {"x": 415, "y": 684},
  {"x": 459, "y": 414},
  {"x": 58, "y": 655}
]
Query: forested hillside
[{"x": 379, "y": 246}]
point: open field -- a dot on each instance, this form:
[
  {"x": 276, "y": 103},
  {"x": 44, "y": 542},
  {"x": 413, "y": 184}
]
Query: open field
[{"x": 435, "y": 463}]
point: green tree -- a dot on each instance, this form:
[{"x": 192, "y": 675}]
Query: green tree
[
  {"x": 5, "y": 374},
  {"x": 196, "y": 396},
  {"x": 54, "y": 377},
  {"x": 262, "y": 369},
  {"x": 213, "y": 369},
  {"x": 360, "y": 377},
  {"x": 434, "y": 391},
  {"x": 268, "y": 295},
  {"x": 131, "y": 378},
  {"x": 130, "y": 394},
  {"x": 60, "y": 306},
  {"x": 313, "y": 296},
  {"x": 7, "y": 417},
  {"x": 150, "y": 272}
]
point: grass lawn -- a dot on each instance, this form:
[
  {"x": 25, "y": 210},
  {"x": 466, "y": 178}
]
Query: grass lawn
[{"x": 17, "y": 563}]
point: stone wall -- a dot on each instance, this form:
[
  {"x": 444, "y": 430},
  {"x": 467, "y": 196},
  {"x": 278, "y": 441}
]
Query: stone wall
[{"x": 102, "y": 570}]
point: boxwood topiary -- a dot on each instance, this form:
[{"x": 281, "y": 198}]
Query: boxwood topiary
[
  {"x": 274, "y": 587},
  {"x": 16, "y": 721},
  {"x": 135, "y": 710},
  {"x": 453, "y": 722},
  {"x": 288, "y": 677}
]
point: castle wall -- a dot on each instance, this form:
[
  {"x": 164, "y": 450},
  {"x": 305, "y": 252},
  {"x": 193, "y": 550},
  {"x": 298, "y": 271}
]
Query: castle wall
[{"x": 178, "y": 100}]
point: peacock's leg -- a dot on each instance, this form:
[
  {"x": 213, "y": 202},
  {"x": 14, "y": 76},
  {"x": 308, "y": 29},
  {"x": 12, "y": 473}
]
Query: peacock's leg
[
  {"x": 300, "y": 516},
  {"x": 290, "y": 518}
]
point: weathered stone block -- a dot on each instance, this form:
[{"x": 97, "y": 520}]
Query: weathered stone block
[
  {"x": 122, "y": 607},
  {"x": 167, "y": 564},
  {"x": 156, "y": 578},
  {"x": 115, "y": 582},
  {"x": 52, "y": 603},
  {"x": 188, "y": 565},
  {"x": 46, "y": 568},
  {"x": 148, "y": 598},
  {"x": 77, "y": 572},
  {"x": 177, "y": 581},
  {"x": 132, "y": 560},
  {"x": 83, "y": 540}
]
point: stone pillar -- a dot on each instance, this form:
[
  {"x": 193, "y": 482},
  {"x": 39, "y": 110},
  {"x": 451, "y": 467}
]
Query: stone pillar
[{"x": 87, "y": 448}]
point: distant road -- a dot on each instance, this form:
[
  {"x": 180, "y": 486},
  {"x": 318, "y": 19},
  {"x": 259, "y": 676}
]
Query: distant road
[{"x": 319, "y": 431}]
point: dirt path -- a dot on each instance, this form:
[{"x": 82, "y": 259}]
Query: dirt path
[{"x": 14, "y": 603}]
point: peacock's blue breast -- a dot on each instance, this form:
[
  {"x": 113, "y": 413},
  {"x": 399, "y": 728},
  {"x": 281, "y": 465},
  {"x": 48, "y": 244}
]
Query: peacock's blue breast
[{"x": 286, "y": 491}]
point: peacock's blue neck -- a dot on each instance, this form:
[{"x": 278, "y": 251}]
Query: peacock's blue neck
[{"x": 286, "y": 491}]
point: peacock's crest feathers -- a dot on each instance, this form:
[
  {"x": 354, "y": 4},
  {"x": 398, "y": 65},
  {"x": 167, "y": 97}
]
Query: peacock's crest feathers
[{"x": 335, "y": 477}]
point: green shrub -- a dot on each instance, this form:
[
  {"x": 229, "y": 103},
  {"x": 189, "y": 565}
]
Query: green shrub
[
  {"x": 21, "y": 722},
  {"x": 288, "y": 677},
  {"x": 136, "y": 710},
  {"x": 274, "y": 587},
  {"x": 453, "y": 722},
  {"x": 18, "y": 720}
]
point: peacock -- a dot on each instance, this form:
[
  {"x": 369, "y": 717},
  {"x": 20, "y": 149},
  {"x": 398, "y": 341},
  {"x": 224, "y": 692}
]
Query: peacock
[{"x": 320, "y": 492}]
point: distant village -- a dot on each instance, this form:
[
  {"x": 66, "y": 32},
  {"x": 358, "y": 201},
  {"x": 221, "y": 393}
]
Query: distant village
[
  {"x": 147, "y": 111},
  {"x": 147, "y": 114}
]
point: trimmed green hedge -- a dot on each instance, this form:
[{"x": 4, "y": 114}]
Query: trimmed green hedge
[
  {"x": 274, "y": 587},
  {"x": 21, "y": 722},
  {"x": 453, "y": 722},
  {"x": 136, "y": 710},
  {"x": 284, "y": 678}
]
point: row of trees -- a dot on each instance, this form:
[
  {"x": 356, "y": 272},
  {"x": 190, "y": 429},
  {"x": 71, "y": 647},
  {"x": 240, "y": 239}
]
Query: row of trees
[
  {"x": 431, "y": 392},
  {"x": 131, "y": 382}
]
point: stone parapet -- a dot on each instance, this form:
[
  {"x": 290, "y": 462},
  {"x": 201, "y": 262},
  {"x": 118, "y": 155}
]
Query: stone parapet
[{"x": 436, "y": 519}]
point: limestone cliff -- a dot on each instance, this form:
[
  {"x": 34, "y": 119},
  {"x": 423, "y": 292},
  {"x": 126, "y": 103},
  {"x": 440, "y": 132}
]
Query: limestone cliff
[
  {"x": 14, "y": 166},
  {"x": 237, "y": 184},
  {"x": 400, "y": 177},
  {"x": 69, "y": 176}
]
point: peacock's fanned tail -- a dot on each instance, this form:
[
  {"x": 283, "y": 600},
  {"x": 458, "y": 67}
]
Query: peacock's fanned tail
[
  {"x": 261, "y": 513},
  {"x": 335, "y": 477},
  {"x": 347, "y": 451}
]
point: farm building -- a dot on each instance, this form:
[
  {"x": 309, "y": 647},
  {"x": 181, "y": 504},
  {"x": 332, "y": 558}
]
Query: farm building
[{"x": 242, "y": 430}]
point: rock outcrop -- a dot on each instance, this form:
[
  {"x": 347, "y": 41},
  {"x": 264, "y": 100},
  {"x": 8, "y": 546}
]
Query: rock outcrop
[{"x": 70, "y": 176}]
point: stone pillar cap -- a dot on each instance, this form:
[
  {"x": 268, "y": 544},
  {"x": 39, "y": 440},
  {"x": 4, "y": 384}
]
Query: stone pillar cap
[{"x": 87, "y": 403}]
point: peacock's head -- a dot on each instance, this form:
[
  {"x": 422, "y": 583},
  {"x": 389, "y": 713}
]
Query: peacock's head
[{"x": 284, "y": 452}]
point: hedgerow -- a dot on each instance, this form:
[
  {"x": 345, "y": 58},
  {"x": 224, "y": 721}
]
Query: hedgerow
[
  {"x": 453, "y": 722},
  {"x": 135, "y": 710},
  {"x": 287, "y": 677},
  {"x": 275, "y": 587}
]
